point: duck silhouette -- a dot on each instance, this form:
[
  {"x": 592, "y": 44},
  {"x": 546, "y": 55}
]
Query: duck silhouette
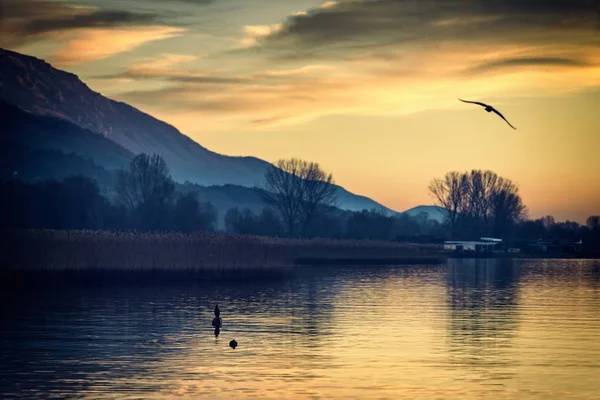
[
  {"x": 217, "y": 322},
  {"x": 233, "y": 344}
]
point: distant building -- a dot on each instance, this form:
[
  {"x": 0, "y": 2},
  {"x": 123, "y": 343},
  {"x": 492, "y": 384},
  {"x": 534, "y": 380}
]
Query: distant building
[{"x": 483, "y": 245}]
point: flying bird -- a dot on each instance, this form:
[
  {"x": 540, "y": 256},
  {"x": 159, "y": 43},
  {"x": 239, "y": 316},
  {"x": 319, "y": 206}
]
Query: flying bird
[{"x": 489, "y": 108}]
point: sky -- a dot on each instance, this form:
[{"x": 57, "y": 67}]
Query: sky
[{"x": 367, "y": 88}]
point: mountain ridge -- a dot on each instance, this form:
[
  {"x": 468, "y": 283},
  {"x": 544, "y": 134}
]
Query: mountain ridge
[{"x": 35, "y": 86}]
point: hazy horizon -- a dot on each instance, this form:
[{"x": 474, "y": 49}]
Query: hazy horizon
[{"x": 366, "y": 88}]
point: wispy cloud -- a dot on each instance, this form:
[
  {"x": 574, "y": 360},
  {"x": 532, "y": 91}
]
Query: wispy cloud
[
  {"x": 167, "y": 67},
  {"x": 96, "y": 44},
  {"x": 165, "y": 61},
  {"x": 421, "y": 79},
  {"x": 399, "y": 57},
  {"x": 84, "y": 34},
  {"x": 254, "y": 33},
  {"x": 539, "y": 61},
  {"x": 340, "y": 26},
  {"x": 348, "y": 56}
]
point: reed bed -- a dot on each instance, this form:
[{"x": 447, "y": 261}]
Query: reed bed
[{"x": 198, "y": 254}]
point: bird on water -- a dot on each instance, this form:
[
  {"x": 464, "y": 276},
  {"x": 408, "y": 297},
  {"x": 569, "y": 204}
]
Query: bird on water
[
  {"x": 489, "y": 108},
  {"x": 217, "y": 322},
  {"x": 233, "y": 344}
]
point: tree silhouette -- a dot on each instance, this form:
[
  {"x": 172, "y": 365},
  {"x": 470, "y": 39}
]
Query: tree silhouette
[
  {"x": 189, "y": 215},
  {"x": 450, "y": 193},
  {"x": 297, "y": 189},
  {"x": 478, "y": 202},
  {"x": 318, "y": 192},
  {"x": 593, "y": 222},
  {"x": 146, "y": 187}
]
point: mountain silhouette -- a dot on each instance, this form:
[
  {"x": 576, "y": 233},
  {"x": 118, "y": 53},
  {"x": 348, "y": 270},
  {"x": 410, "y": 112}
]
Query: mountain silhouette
[
  {"x": 58, "y": 97},
  {"x": 434, "y": 213}
]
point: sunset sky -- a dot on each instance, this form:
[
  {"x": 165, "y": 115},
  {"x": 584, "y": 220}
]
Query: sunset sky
[{"x": 368, "y": 88}]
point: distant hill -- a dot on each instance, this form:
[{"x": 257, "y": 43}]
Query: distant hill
[
  {"x": 70, "y": 108},
  {"x": 433, "y": 212}
]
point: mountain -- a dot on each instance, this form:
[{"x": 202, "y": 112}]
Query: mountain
[
  {"x": 40, "y": 148},
  {"x": 70, "y": 111},
  {"x": 433, "y": 212},
  {"x": 22, "y": 129},
  {"x": 37, "y": 87},
  {"x": 34, "y": 148}
]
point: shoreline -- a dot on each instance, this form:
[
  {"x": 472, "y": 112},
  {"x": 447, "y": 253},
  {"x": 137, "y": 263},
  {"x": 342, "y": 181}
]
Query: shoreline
[
  {"x": 196, "y": 255},
  {"x": 128, "y": 256}
]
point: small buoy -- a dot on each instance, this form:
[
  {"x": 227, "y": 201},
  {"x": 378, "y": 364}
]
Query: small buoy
[{"x": 233, "y": 344}]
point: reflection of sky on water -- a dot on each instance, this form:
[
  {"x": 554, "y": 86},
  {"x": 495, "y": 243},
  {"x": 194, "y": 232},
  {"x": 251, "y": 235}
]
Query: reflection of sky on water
[
  {"x": 482, "y": 302},
  {"x": 470, "y": 329}
]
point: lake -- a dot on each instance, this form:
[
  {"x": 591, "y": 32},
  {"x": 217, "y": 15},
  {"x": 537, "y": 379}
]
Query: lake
[{"x": 470, "y": 329}]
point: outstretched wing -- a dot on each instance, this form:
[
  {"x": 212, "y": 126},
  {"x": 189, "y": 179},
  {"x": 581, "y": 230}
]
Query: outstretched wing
[
  {"x": 474, "y": 102},
  {"x": 502, "y": 116}
]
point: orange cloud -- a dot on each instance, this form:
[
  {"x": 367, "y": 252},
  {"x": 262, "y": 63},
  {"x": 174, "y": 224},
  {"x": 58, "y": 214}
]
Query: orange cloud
[
  {"x": 96, "y": 44},
  {"x": 83, "y": 34},
  {"x": 165, "y": 61},
  {"x": 391, "y": 72},
  {"x": 329, "y": 4},
  {"x": 256, "y": 32},
  {"x": 420, "y": 78}
]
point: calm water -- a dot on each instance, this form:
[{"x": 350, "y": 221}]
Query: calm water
[{"x": 471, "y": 329}]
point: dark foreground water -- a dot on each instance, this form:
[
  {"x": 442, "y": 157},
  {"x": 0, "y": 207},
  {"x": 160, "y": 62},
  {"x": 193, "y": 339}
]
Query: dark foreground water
[{"x": 472, "y": 329}]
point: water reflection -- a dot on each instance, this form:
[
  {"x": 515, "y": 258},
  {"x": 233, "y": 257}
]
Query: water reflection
[
  {"x": 483, "y": 316},
  {"x": 470, "y": 329}
]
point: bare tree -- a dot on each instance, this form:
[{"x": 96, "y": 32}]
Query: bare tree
[
  {"x": 479, "y": 201},
  {"x": 548, "y": 221},
  {"x": 297, "y": 189},
  {"x": 507, "y": 207},
  {"x": 283, "y": 191},
  {"x": 480, "y": 185},
  {"x": 450, "y": 193},
  {"x": 593, "y": 222},
  {"x": 318, "y": 191},
  {"x": 146, "y": 183}
]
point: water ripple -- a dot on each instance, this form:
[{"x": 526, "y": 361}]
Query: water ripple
[{"x": 470, "y": 329}]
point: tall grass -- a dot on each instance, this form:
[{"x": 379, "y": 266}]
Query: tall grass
[{"x": 197, "y": 253}]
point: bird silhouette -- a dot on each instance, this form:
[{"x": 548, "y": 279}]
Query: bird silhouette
[
  {"x": 489, "y": 108},
  {"x": 233, "y": 344}
]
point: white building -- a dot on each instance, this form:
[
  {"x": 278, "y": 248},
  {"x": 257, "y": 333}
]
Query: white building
[{"x": 483, "y": 245}]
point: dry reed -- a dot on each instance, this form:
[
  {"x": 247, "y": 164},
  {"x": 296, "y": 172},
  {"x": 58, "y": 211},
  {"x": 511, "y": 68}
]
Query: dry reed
[{"x": 53, "y": 250}]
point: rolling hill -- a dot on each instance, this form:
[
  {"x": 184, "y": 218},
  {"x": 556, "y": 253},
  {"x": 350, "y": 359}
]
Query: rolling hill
[{"x": 433, "y": 212}]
